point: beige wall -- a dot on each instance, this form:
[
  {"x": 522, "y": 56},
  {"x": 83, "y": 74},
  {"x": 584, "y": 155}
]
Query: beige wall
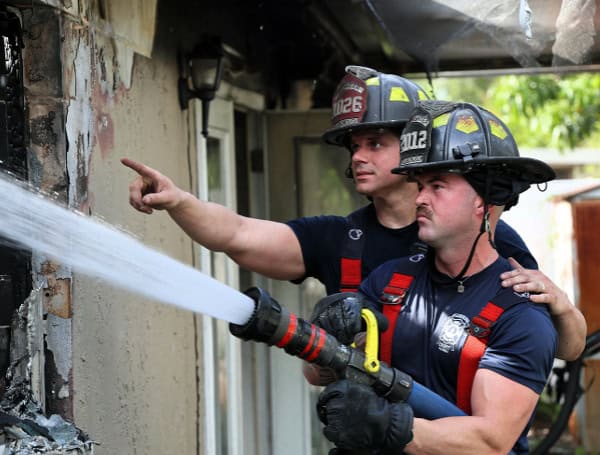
[
  {"x": 132, "y": 381},
  {"x": 282, "y": 128},
  {"x": 133, "y": 360}
]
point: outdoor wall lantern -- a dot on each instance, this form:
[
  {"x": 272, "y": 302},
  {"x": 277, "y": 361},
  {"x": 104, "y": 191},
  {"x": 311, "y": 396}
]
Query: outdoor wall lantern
[{"x": 203, "y": 68}]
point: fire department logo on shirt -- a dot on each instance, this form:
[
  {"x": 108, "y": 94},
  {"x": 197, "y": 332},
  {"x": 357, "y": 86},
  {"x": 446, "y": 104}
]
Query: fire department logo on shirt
[
  {"x": 355, "y": 234},
  {"x": 417, "y": 257},
  {"x": 452, "y": 331}
]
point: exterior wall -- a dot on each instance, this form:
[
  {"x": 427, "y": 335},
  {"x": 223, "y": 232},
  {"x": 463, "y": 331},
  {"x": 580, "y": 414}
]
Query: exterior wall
[
  {"x": 48, "y": 171},
  {"x": 124, "y": 368},
  {"x": 134, "y": 361}
]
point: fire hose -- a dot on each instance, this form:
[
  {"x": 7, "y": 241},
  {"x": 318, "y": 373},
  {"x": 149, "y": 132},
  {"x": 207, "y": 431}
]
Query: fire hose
[{"x": 274, "y": 325}]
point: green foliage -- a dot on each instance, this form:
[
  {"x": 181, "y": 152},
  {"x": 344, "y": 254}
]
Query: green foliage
[
  {"x": 461, "y": 89},
  {"x": 550, "y": 110}
]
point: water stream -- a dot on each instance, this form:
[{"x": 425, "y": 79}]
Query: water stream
[{"x": 97, "y": 249}]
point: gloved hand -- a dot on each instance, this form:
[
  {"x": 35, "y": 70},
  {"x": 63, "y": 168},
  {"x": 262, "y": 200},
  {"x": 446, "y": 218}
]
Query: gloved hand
[
  {"x": 340, "y": 315},
  {"x": 355, "y": 417}
]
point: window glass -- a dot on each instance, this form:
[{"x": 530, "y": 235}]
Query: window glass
[{"x": 216, "y": 193}]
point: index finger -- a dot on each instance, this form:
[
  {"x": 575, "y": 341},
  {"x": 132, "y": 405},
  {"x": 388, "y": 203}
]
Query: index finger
[
  {"x": 140, "y": 168},
  {"x": 514, "y": 264},
  {"x": 517, "y": 270}
]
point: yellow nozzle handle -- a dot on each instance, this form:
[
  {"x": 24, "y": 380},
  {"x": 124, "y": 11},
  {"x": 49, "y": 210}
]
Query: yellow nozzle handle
[{"x": 372, "y": 341}]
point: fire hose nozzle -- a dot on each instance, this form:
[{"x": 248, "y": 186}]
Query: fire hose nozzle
[
  {"x": 274, "y": 325},
  {"x": 265, "y": 320}
]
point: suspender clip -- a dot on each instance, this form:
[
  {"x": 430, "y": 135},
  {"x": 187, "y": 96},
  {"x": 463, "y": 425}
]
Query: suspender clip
[{"x": 481, "y": 327}]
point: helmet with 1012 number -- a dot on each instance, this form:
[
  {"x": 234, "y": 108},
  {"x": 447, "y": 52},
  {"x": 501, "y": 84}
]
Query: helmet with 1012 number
[{"x": 445, "y": 136}]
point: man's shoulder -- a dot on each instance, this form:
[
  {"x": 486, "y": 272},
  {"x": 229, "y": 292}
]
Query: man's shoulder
[
  {"x": 362, "y": 215},
  {"x": 407, "y": 265},
  {"x": 318, "y": 221},
  {"x": 518, "y": 306},
  {"x": 357, "y": 217},
  {"x": 507, "y": 297},
  {"x": 527, "y": 318},
  {"x": 510, "y": 244}
]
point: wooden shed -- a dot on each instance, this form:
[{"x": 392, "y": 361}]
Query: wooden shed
[{"x": 560, "y": 226}]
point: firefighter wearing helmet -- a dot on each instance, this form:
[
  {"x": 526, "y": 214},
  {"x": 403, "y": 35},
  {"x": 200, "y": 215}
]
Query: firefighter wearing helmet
[
  {"x": 468, "y": 139},
  {"x": 452, "y": 325}
]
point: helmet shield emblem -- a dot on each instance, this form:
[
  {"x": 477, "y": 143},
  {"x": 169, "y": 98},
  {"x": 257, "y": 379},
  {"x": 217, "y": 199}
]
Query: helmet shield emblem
[
  {"x": 415, "y": 140},
  {"x": 349, "y": 102}
]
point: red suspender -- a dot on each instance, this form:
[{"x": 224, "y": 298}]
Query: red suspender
[
  {"x": 470, "y": 355},
  {"x": 350, "y": 270},
  {"x": 475, "y": 343},
  {"x": 351, "y": 253},
  {"x": 392, "y": 297},
  {"x": 472, "y": 351}
]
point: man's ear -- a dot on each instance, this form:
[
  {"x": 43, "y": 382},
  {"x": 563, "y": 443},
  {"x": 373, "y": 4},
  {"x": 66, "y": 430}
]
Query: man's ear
[{"x": 479, "y": 205}]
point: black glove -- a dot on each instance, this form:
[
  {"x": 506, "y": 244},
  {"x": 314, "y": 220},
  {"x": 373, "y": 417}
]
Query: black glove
[
  {"x": 355, "y": 417},
  {"x": 340, "y": 315}
]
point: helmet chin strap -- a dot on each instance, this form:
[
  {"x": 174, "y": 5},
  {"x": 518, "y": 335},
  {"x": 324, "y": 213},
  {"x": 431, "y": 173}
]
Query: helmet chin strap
[
  {"x": 348, "y": 171},
  {"x": 485, "y": 227},
  {"x": 485, "y": 222}
]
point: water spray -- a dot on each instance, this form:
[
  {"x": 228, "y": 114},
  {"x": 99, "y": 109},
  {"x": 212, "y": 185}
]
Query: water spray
[{"x": 99, "y": 250}]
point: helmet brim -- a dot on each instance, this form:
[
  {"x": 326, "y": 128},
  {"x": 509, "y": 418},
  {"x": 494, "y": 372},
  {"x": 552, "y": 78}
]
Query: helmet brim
[
  {"x": 529, "y": 170},
  {"x": 337, "y": 136}
]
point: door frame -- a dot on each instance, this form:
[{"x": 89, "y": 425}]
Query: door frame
[{"x": 221, "y": 127}]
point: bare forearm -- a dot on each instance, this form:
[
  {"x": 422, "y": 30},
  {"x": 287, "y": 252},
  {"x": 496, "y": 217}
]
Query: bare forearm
[
  {"x": 568, "y": 320},
  {"x": 266, "y": 247},
  {"x": 211, "y": 225},
  {"x": 452, "y": 435},
  {"x": 262, "y": 246},
  {"x": 501, "y": 409},
  {"x": 572, "y": 329}
]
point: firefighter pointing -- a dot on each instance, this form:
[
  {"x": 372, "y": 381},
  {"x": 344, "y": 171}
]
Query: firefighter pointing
[{"x": 370, "y": 110}]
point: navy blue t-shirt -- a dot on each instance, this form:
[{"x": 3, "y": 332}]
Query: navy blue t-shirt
[
  {"x": 432, "y": 327},
  {"x": 322, "y": 239}
]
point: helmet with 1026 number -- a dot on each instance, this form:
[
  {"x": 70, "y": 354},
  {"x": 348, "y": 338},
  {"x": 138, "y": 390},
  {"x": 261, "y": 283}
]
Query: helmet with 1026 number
[{"x": 366, "y": 98}]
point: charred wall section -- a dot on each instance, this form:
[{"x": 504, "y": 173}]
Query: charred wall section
[
  {"x": 15, "y": 264},
  {"x": 47, "y": 164},
  {"x": 33, "y": 148}
]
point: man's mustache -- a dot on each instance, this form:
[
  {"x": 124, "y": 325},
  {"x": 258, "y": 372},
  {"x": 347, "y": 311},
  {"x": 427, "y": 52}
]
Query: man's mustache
[{"x": 424, "y": 211}]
